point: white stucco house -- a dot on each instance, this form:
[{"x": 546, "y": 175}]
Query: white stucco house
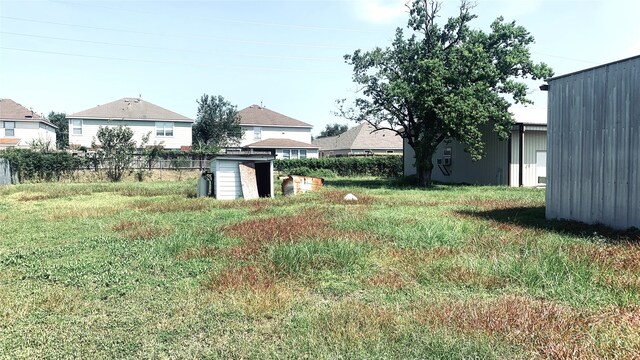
[
  {"x": 269, "y": 131},
  {"x": 166, "y": 128},
  {"x": 20, "y": 127},
  {"x": 518, "y": 161}
]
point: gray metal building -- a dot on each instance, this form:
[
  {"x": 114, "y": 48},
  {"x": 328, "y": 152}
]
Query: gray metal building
[{"x": 593, "y": 163}]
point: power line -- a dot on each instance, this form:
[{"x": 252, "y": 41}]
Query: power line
[
  {"x": 163, "y": 62},
  {"x": 167, "y": 49},
  {"x": 235, "y": 21},
  {"x": 177, "y": 36}
]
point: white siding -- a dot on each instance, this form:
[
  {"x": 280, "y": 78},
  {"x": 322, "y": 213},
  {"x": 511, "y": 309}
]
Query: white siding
[
  {"x": 28, "y": 131},
  {"x": 534, "y": 141},
  {"x": 272, "y": 132},
  {"x": 181, "y": 132},
  {"x": 227, "y": 179},
  {"x": 593, "y": 164}
]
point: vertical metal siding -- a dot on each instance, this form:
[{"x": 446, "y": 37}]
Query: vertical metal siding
[{"x": 594, "y": 146}]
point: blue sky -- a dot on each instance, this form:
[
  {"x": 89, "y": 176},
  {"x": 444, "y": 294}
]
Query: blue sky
[{"x": 68, "y": 56}]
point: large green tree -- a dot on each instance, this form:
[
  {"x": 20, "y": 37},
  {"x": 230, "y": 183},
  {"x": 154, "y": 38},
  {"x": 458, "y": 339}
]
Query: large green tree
[
  {"x": 217, "y": 124},
  {"x": 333, "y": 130},
  {"x": 62, "y": 132},
  {"x": 115, "y": 149},
  {"x": 444, "y": 81}
]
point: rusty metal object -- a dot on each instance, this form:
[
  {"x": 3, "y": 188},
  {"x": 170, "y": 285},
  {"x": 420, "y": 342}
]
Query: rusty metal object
[{"x": 295, "y": 184}]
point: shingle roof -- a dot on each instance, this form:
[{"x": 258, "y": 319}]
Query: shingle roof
[
  {"x": 280, "y": 143},
  {"x": 360, "y": 137},
  {"x": 129, "y": 109},
  {"x": 258, "y": 115},
  {"x": 11, "y": 110}
]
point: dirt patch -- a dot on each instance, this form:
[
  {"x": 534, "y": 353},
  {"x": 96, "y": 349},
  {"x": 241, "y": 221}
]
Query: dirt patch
[{"x": 138, "y": 230}]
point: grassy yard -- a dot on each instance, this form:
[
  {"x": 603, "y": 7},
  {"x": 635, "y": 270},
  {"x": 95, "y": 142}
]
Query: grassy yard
[{"x": 144, "y": 270}]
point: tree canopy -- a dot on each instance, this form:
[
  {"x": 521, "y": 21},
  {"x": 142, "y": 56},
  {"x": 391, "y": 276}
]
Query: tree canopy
[
  {"x": 333, "y": 130},
  {"x": 115, "y": 149},
  {"x": 217, "y": 124},
  {"x": 62, "y": 132},
  {"x": 443, "y": 81}
]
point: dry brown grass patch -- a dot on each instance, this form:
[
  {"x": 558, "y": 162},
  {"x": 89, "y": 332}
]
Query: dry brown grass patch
[
  {"x": 242, "y": 277},
  {"x": 549, "y": 329},
  {"x": 624, "y": 257},
  {"x": 496, "y": 204},
  {"x": 83, "y": 213},
  {"x": 463, "y": 275},
  {"x": 171, "y": 206},
  {"x": 138, "y": 230},
  {"x": 391, "y": 280},
  {"x": 257, "y": 233}
]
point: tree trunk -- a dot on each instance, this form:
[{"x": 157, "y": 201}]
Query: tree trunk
[{"x": 424, "y": 167}]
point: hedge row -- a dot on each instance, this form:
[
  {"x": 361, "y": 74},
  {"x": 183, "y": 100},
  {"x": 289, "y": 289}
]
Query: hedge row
[
  {"x": 38, "y": 166},
  {"x": 386, "y": 166}
]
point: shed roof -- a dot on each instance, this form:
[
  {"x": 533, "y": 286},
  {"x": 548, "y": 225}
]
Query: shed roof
[
  {"x": 280, "y": 143},
  {"x": 362, "y": 136},
  {"x": 11, "y": 110},
  {"x": 258, "y": 115},
  {"x": 529, "y": 115},
  {"x": 130, "y": 109}
]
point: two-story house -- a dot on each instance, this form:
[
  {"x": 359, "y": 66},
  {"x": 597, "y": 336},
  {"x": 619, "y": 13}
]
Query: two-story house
[
  {"x": 165, "y": 127},
  {"x": 283, "y": 136},
  {"x": 20, "y": 127}
]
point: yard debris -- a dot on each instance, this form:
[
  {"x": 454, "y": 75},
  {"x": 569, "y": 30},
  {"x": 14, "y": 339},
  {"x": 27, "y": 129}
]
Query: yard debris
[
  {"x": 295, "y": 184},
  {"x": 350, "y": 197}
]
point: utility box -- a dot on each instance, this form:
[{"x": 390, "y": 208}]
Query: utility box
[{"x": 247, "y": 176}]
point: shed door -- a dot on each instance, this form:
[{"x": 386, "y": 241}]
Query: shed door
[{"x": 541, "y": 167}]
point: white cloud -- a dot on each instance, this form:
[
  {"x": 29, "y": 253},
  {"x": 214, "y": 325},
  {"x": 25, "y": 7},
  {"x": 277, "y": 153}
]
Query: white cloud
[{"x": 380, "y": 11}]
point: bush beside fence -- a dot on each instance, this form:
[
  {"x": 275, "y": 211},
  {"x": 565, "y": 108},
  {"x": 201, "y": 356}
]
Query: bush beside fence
[
  {"x": 386, "y": 166},
  {"x": 38, "y": 166}
]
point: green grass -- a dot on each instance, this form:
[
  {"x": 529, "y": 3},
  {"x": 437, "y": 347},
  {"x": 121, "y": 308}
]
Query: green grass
[{"x": 146, "y": 270}]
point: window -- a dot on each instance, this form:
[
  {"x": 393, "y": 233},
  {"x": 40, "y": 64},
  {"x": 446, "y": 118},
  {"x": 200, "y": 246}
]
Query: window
[
  {"x": 76, "y": 127},
  {"x": 294, "y": 153},
  {"x": 389, "y": 151},
  {"x": 9, "y": 127},
  {"x": 286, "y": 154},
  {"x": 303, "y": 154},
  {"x": 257, "y": 133},
  {"x": 164, "y": 129}
]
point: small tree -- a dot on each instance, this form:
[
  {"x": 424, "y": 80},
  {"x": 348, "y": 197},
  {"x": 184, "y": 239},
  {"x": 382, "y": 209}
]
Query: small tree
[
  {"x": 444, "y": 81},
  {"x": 115, "y": 150},
  {"x": 217, "y": 124},
  {"x": 62, "y": 132},
  {"x": 333, "y": 130}
]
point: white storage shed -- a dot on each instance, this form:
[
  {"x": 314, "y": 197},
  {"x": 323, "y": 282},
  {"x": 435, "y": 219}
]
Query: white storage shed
[
  {"x": 247, "y": 176},
  {"x": 594, "y": 145}
]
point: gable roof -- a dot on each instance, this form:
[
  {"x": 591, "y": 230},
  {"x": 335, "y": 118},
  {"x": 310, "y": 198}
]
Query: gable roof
[
  {"x": 130, "y": 109},
  {"x": 258, "y": 115},
  {"x": 360, "y": 137},
  {"x": 280, "y": 143},
  {"x": 11, "y": 110}
]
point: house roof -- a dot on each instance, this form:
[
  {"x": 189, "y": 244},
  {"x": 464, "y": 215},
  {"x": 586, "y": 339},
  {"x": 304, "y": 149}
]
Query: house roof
[
  {"x": 280, "y": 143},
  {"x": 129, "y": 109},
  {"x": 11, "y": 110},
  {"x": 531, "y": 115},
  {"x": 258, "y": 115},
  {"x": 361, "y": 137}
]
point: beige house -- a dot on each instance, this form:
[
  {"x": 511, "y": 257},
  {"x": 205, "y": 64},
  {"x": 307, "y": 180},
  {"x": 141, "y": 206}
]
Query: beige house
[
  {"x": 166, "y": 128},
  {"x": 268, "y": 131},
  {"x": 20, "y": 127},
  {"x": 518, "y": 161},
  {"x": 361, "y": 140}
]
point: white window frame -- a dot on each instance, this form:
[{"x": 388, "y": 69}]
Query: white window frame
[
  {"x": 164, "y": 129},
  {"x": 75, "y": 124},
  {"x": 11, "y": 128},
  {"x": 257, "y": 133}
]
